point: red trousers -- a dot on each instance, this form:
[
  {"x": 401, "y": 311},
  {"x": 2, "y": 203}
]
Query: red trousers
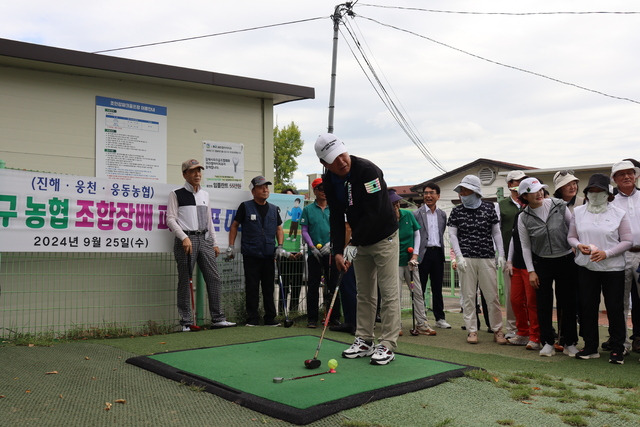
[{"x": 523, "y": 302}]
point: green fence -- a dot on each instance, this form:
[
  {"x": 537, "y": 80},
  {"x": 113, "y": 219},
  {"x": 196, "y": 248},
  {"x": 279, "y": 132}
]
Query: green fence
[{"x": 75, "y": 293}]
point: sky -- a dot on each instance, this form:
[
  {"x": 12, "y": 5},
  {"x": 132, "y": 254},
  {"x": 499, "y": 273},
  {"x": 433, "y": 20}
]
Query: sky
[{"x": 439, "y": 64}]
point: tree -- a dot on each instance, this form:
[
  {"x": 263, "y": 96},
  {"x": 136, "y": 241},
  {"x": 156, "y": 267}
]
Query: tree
[{"x": 287, "y": 145}]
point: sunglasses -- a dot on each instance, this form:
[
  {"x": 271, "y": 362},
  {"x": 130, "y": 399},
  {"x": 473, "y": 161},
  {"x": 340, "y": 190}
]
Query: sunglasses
[
  {"x": 319, "y": 187},
  {"x": 565, "y": 172}
]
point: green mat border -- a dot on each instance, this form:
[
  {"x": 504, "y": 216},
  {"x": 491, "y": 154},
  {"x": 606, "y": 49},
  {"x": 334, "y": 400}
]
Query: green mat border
[{"x": 286, "y": 412}]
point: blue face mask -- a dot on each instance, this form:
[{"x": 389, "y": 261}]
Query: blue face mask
[{"x": 471, "y": 201}]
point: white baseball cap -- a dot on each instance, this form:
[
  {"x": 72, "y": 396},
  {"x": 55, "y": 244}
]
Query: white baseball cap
[
  {"x": 530, "y": 185},
  {"x": 516, "y": 175},
  {"x": 328, "y": 147}
]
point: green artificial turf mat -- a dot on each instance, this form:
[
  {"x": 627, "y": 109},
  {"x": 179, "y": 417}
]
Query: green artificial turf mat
[{"x": 244, "y": 373}]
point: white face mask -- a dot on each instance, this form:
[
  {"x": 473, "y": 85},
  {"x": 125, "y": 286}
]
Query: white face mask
[
  {"x": 472, "y": 201},
  {"x": 597, "y": 201}
]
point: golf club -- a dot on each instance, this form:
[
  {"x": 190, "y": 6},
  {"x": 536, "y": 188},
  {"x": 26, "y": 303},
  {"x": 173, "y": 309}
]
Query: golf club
[
  {"x": 287, "y": 322},
  {"x": 193, "y": 300},
  {"x": 315, "y": 363},
  {"x": 413, "y": 330},
  {"x": 278, "y": 380}
]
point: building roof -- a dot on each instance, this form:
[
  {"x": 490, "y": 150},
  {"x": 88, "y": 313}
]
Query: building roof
[
  {"x": 497, "y": 163},
  {"x": 52, "y": 59}
]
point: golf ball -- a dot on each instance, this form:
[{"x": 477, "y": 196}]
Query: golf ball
[
  {"x": 333, "y": 364},
  {"x": 319, "y": 246}
]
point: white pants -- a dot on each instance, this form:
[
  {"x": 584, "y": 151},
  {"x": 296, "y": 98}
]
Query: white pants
[
  {"x": 511, "y": 317},
  {"x": 480, "y": 272}
]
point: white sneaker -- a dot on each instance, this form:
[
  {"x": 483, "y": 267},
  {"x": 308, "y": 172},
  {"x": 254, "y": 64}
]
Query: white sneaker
[
  {"x": 570, "y": 350},
  {"x": 359, "y": 348},
  {"x": 382, "y": 355},
  {"x": 442, "y": 324},
  {"x": 547, "y": 350},
  {"x": 532, "y": 345},
  {"x": 222, "y": 324},
  {"x": 509, "y": 335}
]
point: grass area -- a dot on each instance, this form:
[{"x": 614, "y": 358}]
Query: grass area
[{"x": 514, "y": 387}]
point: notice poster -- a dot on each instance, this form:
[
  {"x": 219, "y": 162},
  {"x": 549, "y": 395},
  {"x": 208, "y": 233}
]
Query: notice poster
[
  {"x": 131, "y": 140},
  {"x": 224, "y": 165}
]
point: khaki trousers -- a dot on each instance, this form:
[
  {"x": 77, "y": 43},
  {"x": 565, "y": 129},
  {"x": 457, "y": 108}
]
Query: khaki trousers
[{"x": 376, "y": 268}]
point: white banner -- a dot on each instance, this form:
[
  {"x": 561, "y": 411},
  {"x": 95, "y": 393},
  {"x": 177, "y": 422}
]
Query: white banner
[{"x": 41, "y": 212}]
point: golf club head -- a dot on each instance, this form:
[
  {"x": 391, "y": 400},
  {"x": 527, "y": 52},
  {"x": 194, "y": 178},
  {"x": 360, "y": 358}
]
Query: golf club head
[
  {"x": 312, "y": 363},
  {"x": 288, "y": 323},
  {"x": 278, "y": 380},
  {"x": 414, "y": 332}
]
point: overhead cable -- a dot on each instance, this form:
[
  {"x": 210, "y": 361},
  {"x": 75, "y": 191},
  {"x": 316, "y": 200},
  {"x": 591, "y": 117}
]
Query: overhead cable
[
  {"x": 502, "y": 64},
  {"x": 504, "y": 13},
  {"x": 212, "y": 35}
]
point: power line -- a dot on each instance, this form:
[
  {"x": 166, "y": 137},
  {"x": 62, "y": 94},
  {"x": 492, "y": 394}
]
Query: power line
[
  {"x": 388, "y": 101},
  {"x": 504, "y": 13},
  {"x": 503, "y": 64},
  {"x": 211, "y": 35}
]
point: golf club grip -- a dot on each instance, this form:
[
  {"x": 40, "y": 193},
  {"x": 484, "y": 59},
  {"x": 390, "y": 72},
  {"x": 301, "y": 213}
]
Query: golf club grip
[{"x": 326, "y": 320}]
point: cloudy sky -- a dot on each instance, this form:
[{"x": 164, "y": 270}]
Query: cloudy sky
[{"x": 463, "y": 106}]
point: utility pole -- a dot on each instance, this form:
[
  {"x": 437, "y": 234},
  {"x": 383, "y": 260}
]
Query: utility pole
[{"x": 338, "y": 12}]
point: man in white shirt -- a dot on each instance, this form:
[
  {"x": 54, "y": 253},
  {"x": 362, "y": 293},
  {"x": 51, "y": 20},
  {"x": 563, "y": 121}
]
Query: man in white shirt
[
  {"x": 625, "y": 174},
  {"x": 432, "y": 222},
  {"x": 189, "y": 218}
]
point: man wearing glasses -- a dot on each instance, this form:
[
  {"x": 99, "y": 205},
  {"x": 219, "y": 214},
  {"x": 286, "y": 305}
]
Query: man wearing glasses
[
  {"x": 625, "y": 174},
  {"x": 432, "y": 222}
]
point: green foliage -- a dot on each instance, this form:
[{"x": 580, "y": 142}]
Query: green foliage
[{"x": 287, "y": 145}]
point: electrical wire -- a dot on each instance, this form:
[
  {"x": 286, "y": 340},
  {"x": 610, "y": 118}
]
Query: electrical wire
[
  {"x": 386, "y": 99},
  {"x": 211, "y": 35},
  {"x": 503, "y": 13},
  {"x": 501, "y": 63}
]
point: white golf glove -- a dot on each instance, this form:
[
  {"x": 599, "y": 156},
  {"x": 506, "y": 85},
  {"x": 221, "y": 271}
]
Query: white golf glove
[
  {"x": 281, "y": 253},
  {"x": 350, "y": 253},
  {"x": 326, "y": 249},
  {"x": 462, "y": 264},
  {"x": 229, "y": 254},
  {"x": 502, "y": 263},
  {"x": 316, "y": 253}
]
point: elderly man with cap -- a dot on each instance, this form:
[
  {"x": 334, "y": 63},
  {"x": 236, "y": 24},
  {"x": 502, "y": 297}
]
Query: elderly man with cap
[
  {"x": 509, "y": 208},
  {"x": 316, "y": 232},
  {"x": 355, "y": 187},
  {"x": 409, "y": 235},
  {"x": 625, "y": 174},
  {"x": 543, "y": 226},
  {"x": 189, "y": 218},
  {"x": 474, "y": 232},
  {"x": 261, "y": 227}
]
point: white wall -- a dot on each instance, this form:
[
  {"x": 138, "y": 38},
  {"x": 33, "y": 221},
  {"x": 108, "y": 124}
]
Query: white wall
[{"x": 48, "y": 121}]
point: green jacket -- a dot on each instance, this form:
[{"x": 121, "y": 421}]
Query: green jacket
[{"x": 508, "y": 212}]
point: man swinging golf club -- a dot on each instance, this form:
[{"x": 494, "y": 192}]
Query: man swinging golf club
[
  {"x": 189, "y": 218},
  {"x": 355, "y": 186}
]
